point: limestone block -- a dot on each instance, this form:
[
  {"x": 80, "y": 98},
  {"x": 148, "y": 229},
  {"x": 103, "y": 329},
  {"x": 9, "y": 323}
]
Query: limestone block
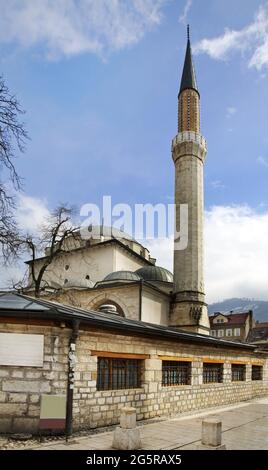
[
  {"x": 25, "y": 386},
  {"x": 128, "y": 418},
  {"x": 126, "y": 439},
  {"x": 211, "y": 432}
]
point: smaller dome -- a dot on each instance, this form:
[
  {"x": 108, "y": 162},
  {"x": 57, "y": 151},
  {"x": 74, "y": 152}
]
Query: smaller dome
[
  {"x": 122, "y": 276},
  {"x": 155, "y": 273},
  {"x": 79, "y": 283}
]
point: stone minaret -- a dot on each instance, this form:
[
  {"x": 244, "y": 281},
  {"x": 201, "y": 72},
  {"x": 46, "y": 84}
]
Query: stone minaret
[{"x": 188, "y": 309}]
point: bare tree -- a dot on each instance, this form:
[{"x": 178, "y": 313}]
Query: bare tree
[
  {"x": 54, "y": 236},
  {"x": 12, "y": 139}
]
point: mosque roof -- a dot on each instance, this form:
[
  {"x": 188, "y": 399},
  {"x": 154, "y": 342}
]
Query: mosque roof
[{"x": 155, "y": 273}]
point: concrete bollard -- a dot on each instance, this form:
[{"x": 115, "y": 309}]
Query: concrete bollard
[
  {"x": 127, "y": 436},
  {"x": 211, "y": 435}
]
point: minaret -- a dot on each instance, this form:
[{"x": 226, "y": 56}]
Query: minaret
[{"x": 188, "y": 309}]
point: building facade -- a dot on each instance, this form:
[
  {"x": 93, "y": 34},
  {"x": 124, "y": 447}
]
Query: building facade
[{"x": 232, "y": 326}]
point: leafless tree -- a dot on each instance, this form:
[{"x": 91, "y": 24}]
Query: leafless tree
[
  {"x": 12, "y": 140},
  {"x": 54, "y": 236}
]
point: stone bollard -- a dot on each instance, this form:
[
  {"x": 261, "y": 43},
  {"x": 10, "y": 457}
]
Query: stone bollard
[
  {"x": 127, "y": 436},
  {"x": 211, "y": 435}
]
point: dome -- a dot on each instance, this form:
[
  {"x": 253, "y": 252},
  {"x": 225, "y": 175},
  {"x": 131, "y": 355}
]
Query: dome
[
  {"x": 97, "y": 231},
  {"x": 155, "y": 273},
  {"x": 122, "y": 276},
  {"x": 79, "y": 283}
]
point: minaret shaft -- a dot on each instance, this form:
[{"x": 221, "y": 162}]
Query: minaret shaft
[{"x": 189, "y": 310}]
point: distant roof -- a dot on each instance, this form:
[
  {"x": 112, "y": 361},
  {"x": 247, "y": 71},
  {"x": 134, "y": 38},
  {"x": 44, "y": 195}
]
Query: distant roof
[
  {"x": 21, "y": 306},
  {"x": 188, "y": 80},
  {"x": 155, "y": 273},
  {"x": 233, "y": 318}
]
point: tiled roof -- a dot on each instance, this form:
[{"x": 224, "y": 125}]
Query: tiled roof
[{"x": 233, "y": 318}]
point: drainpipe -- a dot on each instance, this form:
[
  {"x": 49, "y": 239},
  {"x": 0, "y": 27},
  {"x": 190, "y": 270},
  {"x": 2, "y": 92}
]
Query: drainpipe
[
  {"x": 70, "y": 380},
  {"x": 140, "y": 299}
]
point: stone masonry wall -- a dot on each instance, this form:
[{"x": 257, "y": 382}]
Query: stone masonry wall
[
  {"x": 94, "y": 408},
  {"x": 21, "y": 387}
]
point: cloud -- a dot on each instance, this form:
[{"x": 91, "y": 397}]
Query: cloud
[
  {"x": 31, "y": 213},
  {"x": 236, "y": 253},
  {"x": 71, "y": 27},
  {"x": 251, "y": 41},
  {"x": 263, "y": 161},
  {"x": 187, "y": 7},
  {"x": 230, "y": 111},
  {"x": 217, "y": 184}
]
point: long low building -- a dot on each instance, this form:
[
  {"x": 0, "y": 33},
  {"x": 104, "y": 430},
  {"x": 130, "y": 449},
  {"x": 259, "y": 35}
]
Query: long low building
[{"x": 62, "y": 367}]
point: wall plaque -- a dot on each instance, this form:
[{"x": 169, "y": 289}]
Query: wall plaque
[{"x": 21, "y": 349}]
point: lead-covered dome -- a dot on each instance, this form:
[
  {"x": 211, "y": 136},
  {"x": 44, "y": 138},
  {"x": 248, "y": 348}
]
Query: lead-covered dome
[
  {"x": 155, "y": 273},
  {"x": 122, "y": 276}
]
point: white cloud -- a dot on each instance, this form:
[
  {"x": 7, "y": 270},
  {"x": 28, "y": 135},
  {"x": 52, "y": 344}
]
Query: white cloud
[
  {"x": 217, "y": 184},
  {"x": 236, "y": 253},
  {"x": 187, "y": 7},
  {"x": 31, "y": 213},
  {"x": 230, "y": 111},
  {"x": 70, "y": 27},
  {"x": 251, "y": 41},
  {"x": 263, "y": 161}
]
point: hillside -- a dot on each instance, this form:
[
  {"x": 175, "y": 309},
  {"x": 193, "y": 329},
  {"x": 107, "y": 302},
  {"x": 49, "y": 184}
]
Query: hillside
[{"x": 259, "y": 307}]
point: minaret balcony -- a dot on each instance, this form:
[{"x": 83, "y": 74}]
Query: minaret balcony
[{"x": 189, "y": 136}]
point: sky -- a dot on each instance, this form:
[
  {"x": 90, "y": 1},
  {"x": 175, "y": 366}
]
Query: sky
[{"x": 99, "y": 81}]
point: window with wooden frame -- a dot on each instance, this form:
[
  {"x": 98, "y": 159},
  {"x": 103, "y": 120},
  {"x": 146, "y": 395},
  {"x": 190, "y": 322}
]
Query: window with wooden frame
[
  {"x": 176, "y": 373},
  {"x": 256, "y": 372},
  {"x": 118, "y": 374},
  {"x": 212, "y": 372},
  {"x": 238, "y": 372}
]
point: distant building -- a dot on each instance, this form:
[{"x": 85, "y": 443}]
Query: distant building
[
  {"x": 259, "y": 335},
  {"x": 232, "y": 326}
]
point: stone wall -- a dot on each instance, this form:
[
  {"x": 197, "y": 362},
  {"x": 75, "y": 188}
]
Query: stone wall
[
  {"x": 94, "y": 408},
  {"x": 21, "y": 387}
]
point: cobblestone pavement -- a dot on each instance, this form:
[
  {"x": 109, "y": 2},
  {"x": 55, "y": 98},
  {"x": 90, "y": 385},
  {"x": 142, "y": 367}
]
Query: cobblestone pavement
[{"x": 244, "y": 426}]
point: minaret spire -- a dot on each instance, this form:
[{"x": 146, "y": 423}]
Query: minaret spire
[{"x": 188, "y": 80}]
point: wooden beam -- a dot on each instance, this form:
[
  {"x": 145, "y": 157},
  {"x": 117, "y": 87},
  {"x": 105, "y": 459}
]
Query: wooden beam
[
  {"x": 240, "y": 362},
  {"x": 208, "y": 360},
  {"x": 119, "y": 355},
  {"x": 176, "y": 358}
]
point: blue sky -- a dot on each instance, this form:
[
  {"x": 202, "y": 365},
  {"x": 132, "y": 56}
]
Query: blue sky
[
  {"x": 99, "y": 124},
  {"x": 99, "y": 81}
]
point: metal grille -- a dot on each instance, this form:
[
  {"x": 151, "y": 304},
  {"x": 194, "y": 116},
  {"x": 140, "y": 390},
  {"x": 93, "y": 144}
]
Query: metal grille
[
  {"x": 256, "y": 373},
  {"x": 238, "y": 372},
  {"x": 176, "y": 373},
  {"x": 118, "y": 374},
  {"x": 212, "y": 373}
]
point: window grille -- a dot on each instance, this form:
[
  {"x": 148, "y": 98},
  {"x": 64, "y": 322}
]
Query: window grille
[
  {"x": 117, "y": 374},
  {"x": 212, "y": 373},
  {"x": 238, "y": 372},
  {"x": 256, "y": 373},
  {"x": 176, "y": 373}
]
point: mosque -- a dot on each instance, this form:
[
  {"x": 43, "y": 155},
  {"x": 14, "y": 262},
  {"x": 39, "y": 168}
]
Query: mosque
[{"x": 112, "y": 329}]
